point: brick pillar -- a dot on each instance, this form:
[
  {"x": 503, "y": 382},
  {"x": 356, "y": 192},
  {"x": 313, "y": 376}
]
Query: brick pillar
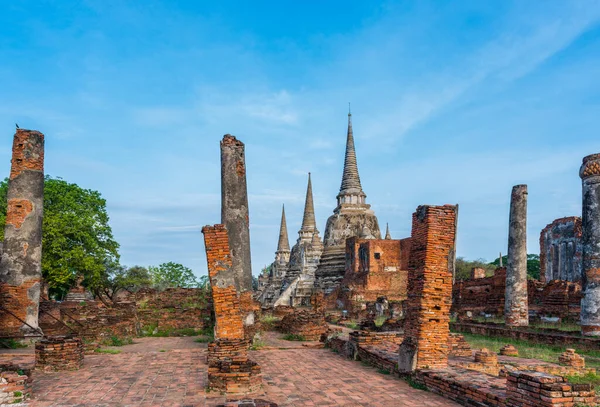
[
  {"x": 222, "y": 280},
  {"x": 20, "y": 266},
  {"x": 229, "y": 368},
  {"x": 234, "y": 209},
  {"x": 516, "y": 309},
  {"x": 590, "y": 304},
  {"x": 429, "y": 289}
]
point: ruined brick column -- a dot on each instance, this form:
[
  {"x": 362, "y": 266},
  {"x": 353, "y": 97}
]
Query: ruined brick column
[
  {"x": 229, "y": 368},
  {"x": 20, "y": 266},
  {"x": 516, "y": 309},
  {"x": 427, "y": 329},
  {"x": 590, "y": 304},
  {"x": 234, "y": 209}
]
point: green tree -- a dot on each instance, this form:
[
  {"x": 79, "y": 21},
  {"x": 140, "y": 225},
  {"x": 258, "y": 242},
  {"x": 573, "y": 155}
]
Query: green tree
[
  {"x": 533, "y": 265},
  {"x": 76, "y": 238},
  {"x": 172, "y": 275}
]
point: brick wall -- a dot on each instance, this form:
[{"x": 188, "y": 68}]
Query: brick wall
[
  {"x": 375, "y": 268},
  {"x": 545, "y": 390},
  {"x": 310, "y": 325},
  {"x": 429, "y": 289},
  {"x": 486, "y": 295}
]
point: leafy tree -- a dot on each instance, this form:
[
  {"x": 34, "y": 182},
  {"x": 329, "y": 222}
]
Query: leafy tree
[
  {"x": 76, "y": 238},
  {"x": 533, "y": 265},
  {"x": 118, "y": 278},
  {"x": 172, "y": 275},
  {"x": 463, "y": 267}
]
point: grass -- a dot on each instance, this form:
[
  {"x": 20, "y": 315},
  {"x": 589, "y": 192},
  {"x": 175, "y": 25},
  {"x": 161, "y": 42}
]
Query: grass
[
  {"x": 383, "y": 371},
  {"x": 162, "y": 350},
  {"x": 293, "y": 337},
  {"x": 111, "y": 351},
  {"x": 11, "y": 344},
  {"x": 589, "y": 378},
  {"x": 204, "y": 339},
  {"x": 116, "y": 341},
  {"x": 352, "y": 325},
  {"x": 532, "y": 350},
  {"x": 380, "y": 320},
  {"x": 257, "y": 344},
  {"x": 561, "y": 326},
  {"x": 415, "y": 385},
  {"x": 269, "y": 322}
]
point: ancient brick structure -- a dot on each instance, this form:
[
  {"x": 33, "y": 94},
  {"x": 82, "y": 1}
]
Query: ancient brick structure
[
  {"x": 351, "y": 217},
  {"x": 310, "y": 325},
  {"x": 269, "y": 286},
  {"x": 234, "y": 209},
  {"x": 429, "y": 289},
  {"x": 375, "y": 269},
  {"x": 482, "y": 296},
  {"x": 20, "y": 265},
  {"x": 15, "y": 384},
  {"x": 56, "y": 353},
  {"x": 477, "y": 272},
  {"x": 509, "y": 350},
  {"x": 293, "y": 273},
  {"x": 570, "y": 358},
  {"x": 590, "y": 223},
  {"x": 516, "y": 312},
  {"x": 459, "y": 346},
  {"x": 545, "y": 390},
  {"x": 561, "y": 250},
  {"x": 229, "y": 368}
]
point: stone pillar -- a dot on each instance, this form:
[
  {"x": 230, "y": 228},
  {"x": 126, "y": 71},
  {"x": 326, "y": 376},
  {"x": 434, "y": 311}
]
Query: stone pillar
[
  {"x": 20, "y": 266},
  {"x": 229, "y": 368},
  {"x": 234, "y": 209},
  {"x": 516, "y": 310},
  {"x": 590, "y": 304},
  {"x": 427, "y": 323}
]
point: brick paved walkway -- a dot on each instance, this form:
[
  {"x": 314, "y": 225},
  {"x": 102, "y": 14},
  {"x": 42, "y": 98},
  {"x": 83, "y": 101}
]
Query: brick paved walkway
[{"x": 143, "y": 376}]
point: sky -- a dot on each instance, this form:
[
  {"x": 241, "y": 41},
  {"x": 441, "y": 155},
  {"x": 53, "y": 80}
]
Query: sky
[{"x": 452, "y": 102}]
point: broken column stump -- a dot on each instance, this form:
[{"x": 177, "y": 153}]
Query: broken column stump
[
  {"x": 20, "y": 266},
  {"x": 58, "y": 353},
  {"x": 590, "y": 304},
  {"x": 426, "y": 342},
  {"x": 229, "y": 368}
]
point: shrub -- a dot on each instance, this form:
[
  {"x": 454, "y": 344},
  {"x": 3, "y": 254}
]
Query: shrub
[{"x": 293, "y": 337}]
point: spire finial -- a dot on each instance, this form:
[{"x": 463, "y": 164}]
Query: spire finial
[
  {"x": 387, "y": 232},
  {"x": 350, "y": 178},
  {"x": 308, "y": 221},
  {"x": 349, "y": 111},
  {"x": 284, "y": 243}
]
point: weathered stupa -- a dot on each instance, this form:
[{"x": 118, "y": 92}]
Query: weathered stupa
[{"x": 352, "y": 217}]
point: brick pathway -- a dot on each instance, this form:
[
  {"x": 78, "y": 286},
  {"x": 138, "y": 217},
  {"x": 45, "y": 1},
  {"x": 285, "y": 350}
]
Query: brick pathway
[{"x": 143, "y": 376}]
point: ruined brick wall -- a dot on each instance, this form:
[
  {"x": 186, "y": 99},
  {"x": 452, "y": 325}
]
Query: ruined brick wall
[
  {"x": 308, "y": 324},
  {"x": 20, "y": 265},
  {"x": 545, "y": 390},
  {"x": 486, "y": 296},
  {"x": 561, "y": 250},
  {"x": 374, "y": 268},
  {"x": 92, "y": 320},
  {"x": 429, "y": 288},
  {"x": 228, "y": 317},
  {"x": 173, "y": 309}
]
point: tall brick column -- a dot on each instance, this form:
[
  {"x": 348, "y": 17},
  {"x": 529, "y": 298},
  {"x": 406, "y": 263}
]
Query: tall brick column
[
  {"x": 516, "y": 309},
  {"x": 229, "y": 368},
  {"x": 590, "y": 304},
  {"x": 234, "y": 209},
  {"x": 426, "y": 328},
  {"x": 20, "y": 266}
]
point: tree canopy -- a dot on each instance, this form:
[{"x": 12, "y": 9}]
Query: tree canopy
[
  {"x": 172, "y": 275},
  {"x": 76, "y": 238}
]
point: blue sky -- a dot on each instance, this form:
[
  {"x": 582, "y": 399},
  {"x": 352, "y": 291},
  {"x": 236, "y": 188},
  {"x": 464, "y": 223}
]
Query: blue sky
[{"x": 453, "y": 102}]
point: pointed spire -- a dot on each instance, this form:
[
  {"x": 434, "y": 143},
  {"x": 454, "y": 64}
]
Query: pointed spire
[
  {"x": 350, "y": 179},
  {"x": 387, "y": 232},
  {"x": 284, "y": 243},
  {"x": 308, "y": 221}
]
